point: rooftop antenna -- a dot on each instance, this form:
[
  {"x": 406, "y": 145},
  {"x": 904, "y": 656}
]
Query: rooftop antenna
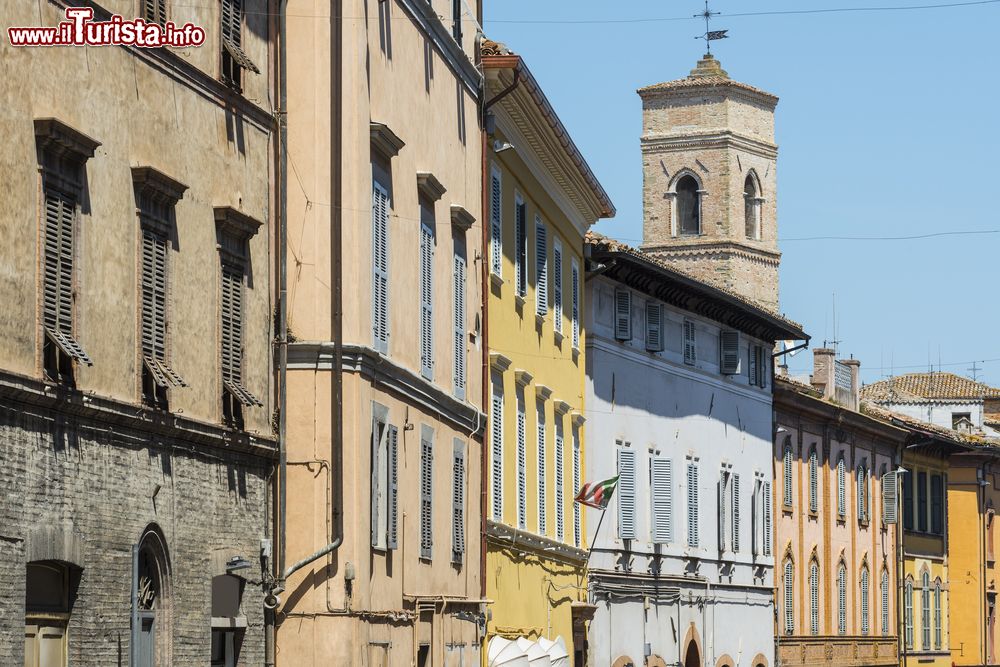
[
  {"x": 975, "y": 371},
  {"x": 710, "y": 35},
  {"x": 836, "y": 340}
]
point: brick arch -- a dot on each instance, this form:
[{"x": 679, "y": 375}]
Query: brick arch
[
  {"x": 725, "y": 661},
  {"x": 623, "y": 661},
  {"x": 759, "y": 660},
  {"x": 655, "y": 661},
  {"x": 692, "y": 637}
]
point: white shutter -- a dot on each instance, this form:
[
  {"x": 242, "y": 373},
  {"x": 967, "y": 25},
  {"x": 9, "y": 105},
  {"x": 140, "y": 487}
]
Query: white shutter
[
  {"x": 522, "y": 464},
  {"x": 496, "y": 223},
  {"x": 861, "y": 492},
  {"x": 623, "y": 314},
  {"x": 557, "y": 281},
  {"x": 864, "y": 601},
  {"x": 426, "y": 301},
  {"x": 458, "y": 502},
  {"x": 380, "y": 267},
  {"x": 377, "y": 488},
  {"x": 814, "y": 598},
  {"x": 729, "y": 352},
  {"x": 541, "y": 268},
  {"x": 626, "y": 493},
  {"x": 736, "y": 513},
  {"x": 542, "y": 472},
  {"x": 576, "y": 305},
  {"x": 577, "y": 527},
  {"x": 458, "y": 306},
  {"x": 788, "y": 584},
  {"x": 841, "y": 600},
  {"x": 426, "y": 497},
  {"x": 496, "y": 445},
  {"x": 690, "y": 353},
  {"x": 813, "y": 481},
  {"x": 392, "y": 499},
  {"x": 890, "y": 500},
  {"x": 841, "y": 487},
  {"x": 560, "y": 500},
  {"x": 661, "y": 510},
  {"x": 787, "y": 475},
  {"x": 692, "y": 504},
  {"x": 767, "y": 518},
  {"x": 885, "y": 602},
  {"x": 654, "y": 326},
  {"x": 756, "y": 517},
  {"x": 723, "y": 495}
]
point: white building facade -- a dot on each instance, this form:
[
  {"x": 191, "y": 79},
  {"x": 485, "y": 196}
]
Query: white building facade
[{"x": 679, "y": 406}]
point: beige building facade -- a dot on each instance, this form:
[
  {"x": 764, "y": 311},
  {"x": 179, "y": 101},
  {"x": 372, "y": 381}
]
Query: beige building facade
[
  {"x": 136, "y": 446},
  {"x": 385, "y": 359}
]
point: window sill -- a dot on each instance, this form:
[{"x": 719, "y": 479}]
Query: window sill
[{"x": 787, "y": 511}]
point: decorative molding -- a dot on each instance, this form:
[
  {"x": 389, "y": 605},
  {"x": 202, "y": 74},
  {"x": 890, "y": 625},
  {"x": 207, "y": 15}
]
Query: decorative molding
[
  {"x": 577, "y": 418},
  {"x": 561, "y": 406},
  {"x": 429, "y": 186},
  {"x": 235, "y": 224},
  {"x": 503, "y": 535},
  {"x": 499, "y": 362},
  {"x": 523, "y": 377},
  {"x": 542, "y": 392},
  {"x": 385, "y": 140},
  {"x": 157, "y": 185},
  {"x": 59, "y": 138},
  {"x": 719, "y": 139},
  {"x": 461, "y": 219}
]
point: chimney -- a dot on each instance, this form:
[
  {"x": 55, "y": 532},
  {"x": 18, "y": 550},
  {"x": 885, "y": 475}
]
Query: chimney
[
  {"x": 823, "y": 370},
  {"x": 855, "y": 397}
]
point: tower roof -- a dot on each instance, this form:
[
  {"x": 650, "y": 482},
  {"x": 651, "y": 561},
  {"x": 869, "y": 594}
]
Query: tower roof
[{"x": 707, "y": 74}]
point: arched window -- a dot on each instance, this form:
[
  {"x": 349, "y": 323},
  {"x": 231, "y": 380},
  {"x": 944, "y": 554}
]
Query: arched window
[
  {"x": 842, "y": 598},
  {"x": 841, "y": 487},
  {"x": 787, "y": 471},
  {"x": 688, "y": 206},
  {"x": 937, "y": 614},
  {"x": 865, "y": 607},
  {"x": 813, "y": 481},
  {"x": 925, "y": 611},
  {"x": 814, "y": 598},
  {"x": 908, "y": 611},
  {"x": 885, "y": 602},
  {"x": 751, "y": 207},
  {"x": 788, "y": 584}
]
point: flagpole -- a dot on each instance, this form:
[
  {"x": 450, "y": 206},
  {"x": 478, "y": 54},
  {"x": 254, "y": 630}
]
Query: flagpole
[{"x": 590, "y": 549}]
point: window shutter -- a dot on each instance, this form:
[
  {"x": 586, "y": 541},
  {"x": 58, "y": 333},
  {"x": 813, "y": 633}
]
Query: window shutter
[
  {"x": 885, "y": 602},
  {"x": 496, "y": 224},
  {"x": 560, "y": 502},
  {"x": 654, "y": 326},
  {"x": 736, "y": 513},
  {"x": 459, "y": 309},
  {"x": 690, "y": 354},
  {"x": 496, "y": 444},
  {"x": 458, "y": 503},
  {"x": 376, "y": 486},
  {"x": 392, "y": 500},
  {"x": 380, "y": 265},
  {"x": 756, "y": 517},
  {"x": 520, "y": 248},
  {"x": 692, "y": 504},
  {"x": 541, "y": 269},
  {"x": 626, "y": 493},
  {"x": 752, "y": 372},
  {"x": 890, "y": 491},
  {"x": 937, "y": 504},
  {"x": 937, "y": 615},
  {"x": 813, "y": 481},
  {"x": 232, "y": 334},
  {"x": 154, "y": 310},
  {"x": 841, "y": 487},
  {"x": 576, "y": 305},
  {"x": 729, "y": 356},
  {"x": 723, "y": 509},
  {"x": 426, "y": 498},
  {"x": 841, "y": 600},
  {"x": 787, "y": 475},
  {"x": 767, "y": 518},
  {"x": 426, "y": 301},
  {"x": 789, "y": 602},
  {"x": 522, "y": 464},
  {"x": 864, "y": 601},
  {"x": 861, "y": 492},
  {"x": 762, "y": 366},
  {"x": 155, "y": 11},
  {"x": 814, "y": 598},
  {"x": 542, "y": 472},
  {"x": 623, "y": 314},
  {"x": 908, "y": 613},
  {"x": 907, "y": 483},
  {"x": 557, "y": 280},
  {"x": 60, "y": 213},
  {"x": 661, "y": 481},
  {"x": 577, "y": 527},
  {"x": 922, "y": 502}
]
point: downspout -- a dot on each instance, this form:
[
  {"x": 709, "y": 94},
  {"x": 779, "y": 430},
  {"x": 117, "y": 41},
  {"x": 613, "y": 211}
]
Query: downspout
[{"x": 774, "y": 543}]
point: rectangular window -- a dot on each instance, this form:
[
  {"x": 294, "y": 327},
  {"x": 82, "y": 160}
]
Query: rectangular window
[
  {"x": 626, "y": 493},
  {"x": 496, "y": 448},
  {"x": 560, "y": 493},
  {"x": 724, "y": 507},
  {"x": 692, "y": 504},
  {"x": 427, "y": 290},
  {"x": 541, "y": 268},
  {"x": 907, "y": 480},
  {"x": 154, "y": 11},
  {"x": 736, "y": 513},
  {"x": 654, "y": 327},
  {"x": 458, "y": 502},
  {"x": 841, "y": 487},
  {"x": 496, "y": 223},
  {"x": 922, "y": 502},
  {"x": 460, "y": 313},
  {"x": 577, "y": 519},
  {"x": 890, "y": 497},
  {"x": 575, "y": 286},
  {"x": 729, "y": 352},
  {"x": 380, "y": 267},
  {"x": 520, "y": 247},
  {"x": 542, "y": 471},
  {"x": 235, "y": 396},
  {"x": 690, "y": 354},
  {"x": 787, "y": 474},
  {"x": 522, "y": 463},
  {"x": 937, "y": 504},
  {"x": 767, "y": 518},
  {"x": 623, "y": 314},
  {"x": 426, "y": 492},
  {"x": 383, "y": 480},
  {"x": 758, "y": 366},
  {"x": 885, "y": 602},
  {"x": 557, "y": 282},
  {"x": 813, "y": 480},
  {"x": 662, "y": 499},
  {"x": 234, "y": 59}
]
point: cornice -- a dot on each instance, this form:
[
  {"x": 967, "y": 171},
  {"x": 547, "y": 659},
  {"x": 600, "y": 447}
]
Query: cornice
[
  {"x": 699, "y": 249},
  {"x": 451, "y": 51},
  {"x": 718, "y": 139}
]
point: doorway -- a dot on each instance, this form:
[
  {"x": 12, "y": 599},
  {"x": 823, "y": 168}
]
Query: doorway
[{"x": 692, "y": 659}]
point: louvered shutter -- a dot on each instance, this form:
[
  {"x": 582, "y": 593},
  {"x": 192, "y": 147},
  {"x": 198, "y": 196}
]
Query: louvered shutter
[
  {"x": 626, "y": 494},
  {"x": 377, "y": 489},
  {"x": 756, "y": 517},
  {"x": 154, "y": 310},
  {"x": 861, "y": 492},
  {"x": 60, "y": 214},
  {"x": 576, "y": 305},
  {"x": 426, "y": 301},
  {"x": 814, "y": 598},
  {"x": 654, "y": 326},
  {"x": 542, "y": 472},
  {"x": 541, "y": 269},
  {"x": 908, "y": 613},
  {"x": 788, "y": 584},
  {"x": 890, "y": 498},
  {"x": 496, "y": 224},
  {"x": 380, "y": 266},
  {"x": 232, "y": 34},
  {"x": 560, "y": 501},
  {"x": 692, "y": 505},
  {"x": 520, "y": 249},
  {"x": 522, "y": 466},
  {"x": 557, "y": 280},
  {"x": 496, "y": 444},
  {"x": 767, "y": 518},
  {"x": 459, "y": 379},
  {"x": 661, "y": 511},
  {"x": 155, "y": 11},
  {"x": 426, "y": 498},
  {"x": 736, "y": 513},
  {"x": 577, "y": 527},
  {"x": 937, "y": 504},
  {"x": 729, "y": 352},
  {"x": 787, "y": 475},
  {"x": 937, "y": 615},
  {"x": 690, "y": 354},
  {"x": 392, "y": 499},
  {"x": 841, "y": 487},
  {"x": 458, "y": 503},
  {"x": 752, "y": 371},
  {"x": 623, "y": 314},
  {"x": 841, "y": 600},
  {"x": 885, "y": 602},
  {"x": 864, "y": 601},
  {"x": 721, "y": 487},
  {"x": 232, "y": 334},
  {"x": 762, "y": 366},
  {"x": 813, "y": 482},
  {"x": 925, "y": 616}
]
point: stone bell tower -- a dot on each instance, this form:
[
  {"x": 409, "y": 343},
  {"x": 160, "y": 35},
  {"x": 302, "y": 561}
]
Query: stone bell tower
[{"x": 709, "y": 181}]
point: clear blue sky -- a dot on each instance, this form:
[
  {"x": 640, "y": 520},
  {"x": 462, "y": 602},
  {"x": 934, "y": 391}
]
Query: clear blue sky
[{"x": 887, "y": 126}]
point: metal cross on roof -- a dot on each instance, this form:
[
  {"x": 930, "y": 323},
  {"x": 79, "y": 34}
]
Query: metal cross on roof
[{"x": 710, "y": 35}]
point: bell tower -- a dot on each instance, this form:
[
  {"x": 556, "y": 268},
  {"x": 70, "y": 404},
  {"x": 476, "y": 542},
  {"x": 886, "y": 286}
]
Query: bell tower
[{"x": 709, "y": 180}]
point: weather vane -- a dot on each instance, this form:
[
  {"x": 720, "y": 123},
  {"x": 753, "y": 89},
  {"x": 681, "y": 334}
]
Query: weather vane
[{"x": 710, "y": 35}]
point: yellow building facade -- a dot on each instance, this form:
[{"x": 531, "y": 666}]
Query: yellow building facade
[{"x": 540, "y": 199}]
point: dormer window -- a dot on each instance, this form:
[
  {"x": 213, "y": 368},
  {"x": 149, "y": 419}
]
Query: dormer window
[{"x": 688, "y": 206}]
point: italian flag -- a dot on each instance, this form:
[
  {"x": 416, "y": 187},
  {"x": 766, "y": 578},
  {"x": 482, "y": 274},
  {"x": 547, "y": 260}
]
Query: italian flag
[{"x": 597, "y": 494}]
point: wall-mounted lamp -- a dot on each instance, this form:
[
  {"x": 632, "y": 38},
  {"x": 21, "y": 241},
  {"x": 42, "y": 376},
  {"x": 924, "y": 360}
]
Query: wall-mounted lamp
[
  {"x": 501, "y": 146},
  {"x": 237, "y": 563}
]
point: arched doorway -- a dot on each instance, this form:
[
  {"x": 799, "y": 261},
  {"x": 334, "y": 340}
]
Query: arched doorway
[
  {"x": 691, "y": 658},
  {"x": 151, "y": 632}
]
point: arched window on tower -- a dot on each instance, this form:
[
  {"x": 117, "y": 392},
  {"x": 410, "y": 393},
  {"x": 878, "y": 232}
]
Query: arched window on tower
[
  {"x": 688, "y": 206},
  {"x": 751, "y": 207}
]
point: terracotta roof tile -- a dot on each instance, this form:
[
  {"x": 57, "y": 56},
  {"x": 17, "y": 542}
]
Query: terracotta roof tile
[{"x": 918, "y": 387}]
